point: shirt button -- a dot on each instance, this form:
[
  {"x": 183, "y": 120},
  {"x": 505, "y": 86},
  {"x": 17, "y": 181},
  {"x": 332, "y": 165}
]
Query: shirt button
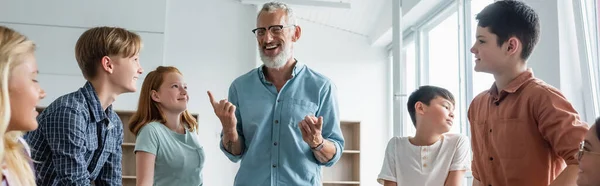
[
  {"x": 274, "y": 165},
  {"x": 278, "y": 100},
  {"x": 276, "y": 121},
  {"x": 275, "y": 143},
  {"x": 425, "y": 165},
  {"x": 490, "y": 130},
  {"x": 424, "y": 157}
]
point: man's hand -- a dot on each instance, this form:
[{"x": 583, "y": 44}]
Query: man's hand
[
  {"x": 225, "y": 111},
  {"x": 311, "y": 130}
]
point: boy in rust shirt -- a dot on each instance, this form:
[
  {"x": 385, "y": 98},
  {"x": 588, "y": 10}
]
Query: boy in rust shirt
[{"x": 524, "y": 131}]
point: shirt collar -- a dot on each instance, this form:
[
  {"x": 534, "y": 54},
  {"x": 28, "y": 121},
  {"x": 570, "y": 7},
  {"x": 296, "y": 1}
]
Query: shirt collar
[
  {"x": 295, "y": 71},
  {"x": 91, "y": 96},
  {"x": 515, "y": 84}
]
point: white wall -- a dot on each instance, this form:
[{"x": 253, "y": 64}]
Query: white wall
[
  {"x": 55, "y": 28},
  {"x": 211, "y": 53},
  {"x": 362, "y": 79}
]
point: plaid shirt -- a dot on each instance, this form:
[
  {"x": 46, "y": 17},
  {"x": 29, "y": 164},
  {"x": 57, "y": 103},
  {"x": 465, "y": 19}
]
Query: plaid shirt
[{"x": 77, "y": 143}]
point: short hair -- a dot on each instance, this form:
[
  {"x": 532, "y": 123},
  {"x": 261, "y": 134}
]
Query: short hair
[
  {"x": 510, "y": 18},
  {"x": 425, "y": 94},
  {"x": 274, "y": 6},
  {"x": 98, "y": 42}
]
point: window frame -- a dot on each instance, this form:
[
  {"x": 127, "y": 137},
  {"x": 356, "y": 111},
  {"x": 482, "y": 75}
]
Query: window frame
[{"x": 588, "y": 54}]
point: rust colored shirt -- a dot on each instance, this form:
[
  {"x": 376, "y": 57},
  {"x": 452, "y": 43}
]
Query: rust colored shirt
[{"x": 525, "y": 135}]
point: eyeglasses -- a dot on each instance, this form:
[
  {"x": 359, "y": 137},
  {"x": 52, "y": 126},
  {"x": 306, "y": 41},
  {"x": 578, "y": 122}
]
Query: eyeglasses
[
  {"x": 582, "y": 150},
  {"x": 274, "y": 29}
]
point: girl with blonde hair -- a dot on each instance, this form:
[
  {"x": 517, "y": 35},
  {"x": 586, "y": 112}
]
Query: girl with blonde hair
[{"x": 18, "y": 85}]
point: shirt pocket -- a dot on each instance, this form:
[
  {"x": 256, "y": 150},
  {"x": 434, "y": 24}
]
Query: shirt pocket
[
  {"x": 91, "y": 142},
  {"x": 508, "y": 138},
  {"x": 297, "y": 109}
]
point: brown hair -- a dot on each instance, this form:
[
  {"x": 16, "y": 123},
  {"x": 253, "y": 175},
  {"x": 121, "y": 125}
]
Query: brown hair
[
  {"x": 98, "y": 42},
  {"x": 148, "y": 110},
  {"x": 13, "y": 46}
]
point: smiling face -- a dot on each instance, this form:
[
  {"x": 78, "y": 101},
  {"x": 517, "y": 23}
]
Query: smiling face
[
  {"x": 24, "y": 93},
  {"x": 126, "y": 72},
  {"x": 172, "y": 95},
  {"x": 489, "y": 56},
  {"x": 275, "y": 37}
]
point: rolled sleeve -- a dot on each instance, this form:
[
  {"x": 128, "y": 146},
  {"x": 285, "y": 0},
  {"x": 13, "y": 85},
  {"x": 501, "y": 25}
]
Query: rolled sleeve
[
  {"x": 331, "y": 121},
  {"x": 233, "y": 98},
  {"x": 560, "y": 125},
  {"x": 65, "y": 132}
]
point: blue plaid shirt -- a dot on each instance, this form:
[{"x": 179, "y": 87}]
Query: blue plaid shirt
[
  {"x": 77, "y": 143},
  {"x": 273, "y": 150}
]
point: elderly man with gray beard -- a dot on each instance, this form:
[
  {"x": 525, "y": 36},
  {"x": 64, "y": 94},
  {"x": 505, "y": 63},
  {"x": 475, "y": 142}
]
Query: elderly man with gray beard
[{"x": 282, "y": 118}]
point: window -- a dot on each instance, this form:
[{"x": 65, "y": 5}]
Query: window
[
  {"x": 481, "y": 81},
  {"x": 410, "y": 57},
  {"x": 589, "y": 56},
  {"x": 436, "y": 52},
  {"x": 442, "y": 60}
]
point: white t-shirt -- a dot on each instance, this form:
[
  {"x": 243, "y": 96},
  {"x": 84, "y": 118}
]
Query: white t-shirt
[{"x": 410, "y": 165}]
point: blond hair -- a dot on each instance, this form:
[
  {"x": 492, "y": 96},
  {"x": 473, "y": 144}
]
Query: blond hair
[
  {"x": 98, "y": 42},
  {"x": 13, "y": 46},
  {"x": 148, "y": 110}
]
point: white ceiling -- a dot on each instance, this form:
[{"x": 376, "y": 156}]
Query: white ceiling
[{"x": 359, "y": 19}]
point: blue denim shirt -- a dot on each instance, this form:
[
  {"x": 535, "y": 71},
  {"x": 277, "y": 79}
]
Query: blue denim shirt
[
  {"x": 77, "y": 142},
  {"x": 273, "y": 150}
]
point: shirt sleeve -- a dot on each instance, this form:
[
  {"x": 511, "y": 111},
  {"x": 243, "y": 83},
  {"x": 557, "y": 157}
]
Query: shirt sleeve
[
  {"x": 331, "y": 121},
  {"x": 147, "y": 140},
  {"x": 388, "y": 169},
  {"x": 559, "y": 123},
  {"x": 461, "y": 160},
  {"x": 234, "y": 100},
  {"x": 470, "y": 112},
  {"x": 64, "y": 129}
]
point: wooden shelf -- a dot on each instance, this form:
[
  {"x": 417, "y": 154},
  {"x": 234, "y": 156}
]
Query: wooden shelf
[
  {"x": 348, "y": 167},
  {"x": 342, "y": 182},
  {"x": 129, "y": 177},
  {"x": 128, "y": 144},
  {"x": 351, "y": 151}
]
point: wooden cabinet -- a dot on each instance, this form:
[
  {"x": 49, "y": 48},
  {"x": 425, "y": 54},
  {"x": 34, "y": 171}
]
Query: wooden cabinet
[
  {"x": 128, "y": 161},
  {"x": 346, "y": 172}
]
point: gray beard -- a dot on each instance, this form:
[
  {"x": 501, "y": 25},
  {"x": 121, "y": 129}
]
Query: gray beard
[{"x": 279, "y": 60}]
